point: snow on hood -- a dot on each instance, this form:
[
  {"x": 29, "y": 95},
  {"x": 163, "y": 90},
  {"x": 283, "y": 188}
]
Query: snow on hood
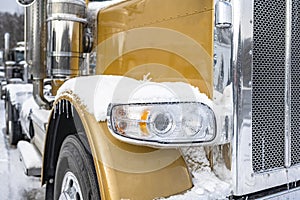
[
  {"x": 97, "y": 92},
  {"x": 104, "y": 4}
]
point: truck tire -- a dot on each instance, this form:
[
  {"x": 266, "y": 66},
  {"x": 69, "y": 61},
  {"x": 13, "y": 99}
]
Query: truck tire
[
  {"x": 14, "y": 132},
  {"x": 14, "y": 127},
  {"x": 6, "y": 117},
  {"x": 75, "y": 171}
]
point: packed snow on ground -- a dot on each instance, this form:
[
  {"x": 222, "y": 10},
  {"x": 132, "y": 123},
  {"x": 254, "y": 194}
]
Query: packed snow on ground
[{"x": 97, "y": 92}]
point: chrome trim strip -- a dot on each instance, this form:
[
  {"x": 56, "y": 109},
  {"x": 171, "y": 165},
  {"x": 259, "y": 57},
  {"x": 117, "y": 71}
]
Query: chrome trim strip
[
  {"x": 235, "y": 64},
  {"x": 242, "y": 60},
  {"x": 223, "y": 76},
  {"x": 288, "y": 194},
  {"x": 65, "y": 54},
  {"x": 222, "y": 48},
  {"x": 77, "y": 2},
  {"x": 66, "y": 17},
  {"x": 288, "y": 42}
]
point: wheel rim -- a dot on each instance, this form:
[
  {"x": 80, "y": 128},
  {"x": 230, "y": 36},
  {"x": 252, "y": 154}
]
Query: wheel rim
[{"x": 70, "y": 188}]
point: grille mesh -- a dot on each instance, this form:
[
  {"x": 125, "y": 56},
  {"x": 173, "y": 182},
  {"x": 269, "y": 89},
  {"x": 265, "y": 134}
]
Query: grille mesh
[
  {"x": 268, "y": 79},
  {"x": 295, "y": 85}
]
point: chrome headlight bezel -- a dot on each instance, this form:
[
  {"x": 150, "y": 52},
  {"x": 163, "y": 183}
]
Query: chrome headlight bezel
[{"x": 163, "y": 124}]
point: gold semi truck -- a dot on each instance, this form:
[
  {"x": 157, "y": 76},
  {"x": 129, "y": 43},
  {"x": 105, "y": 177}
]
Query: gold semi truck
[{"x": 150, "y": 99}]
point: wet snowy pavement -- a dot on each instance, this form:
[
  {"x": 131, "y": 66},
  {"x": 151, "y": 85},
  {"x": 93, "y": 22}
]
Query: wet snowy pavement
[{"x": 14, "y": 184}]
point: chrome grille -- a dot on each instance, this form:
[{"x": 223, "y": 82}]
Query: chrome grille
[
  {"x": 268, "y": 82},
  {"x": 295, "y": 86}
]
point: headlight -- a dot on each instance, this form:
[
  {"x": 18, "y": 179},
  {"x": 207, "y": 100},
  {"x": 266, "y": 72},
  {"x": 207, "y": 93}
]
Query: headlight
[{"x": 162, "y": 124}]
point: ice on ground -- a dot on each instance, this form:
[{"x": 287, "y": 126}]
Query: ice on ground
[{"x": 35, "y": 194}]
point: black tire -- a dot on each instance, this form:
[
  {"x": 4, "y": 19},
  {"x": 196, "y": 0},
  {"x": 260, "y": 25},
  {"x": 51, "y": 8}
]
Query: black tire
[
  {"x": 14, "y": 126},
  {"x": 15, "y": 134},
  {"x": 49, "y": 191},
  {"x": 6, "y": 116},
  {"x": 75, "y": 159}
]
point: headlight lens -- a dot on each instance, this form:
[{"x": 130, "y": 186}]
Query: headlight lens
[{"x": 162, "y": 124}]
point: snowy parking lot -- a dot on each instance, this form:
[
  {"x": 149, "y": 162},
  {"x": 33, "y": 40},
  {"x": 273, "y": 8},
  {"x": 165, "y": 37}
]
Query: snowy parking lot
[{"x": 14, "y": 184}]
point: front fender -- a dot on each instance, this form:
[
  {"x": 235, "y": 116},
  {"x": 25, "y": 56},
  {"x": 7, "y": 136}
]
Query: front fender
[{"x": 123, "y": 171}]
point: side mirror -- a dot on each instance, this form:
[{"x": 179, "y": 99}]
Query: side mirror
[{"x": 25, "y": 3}]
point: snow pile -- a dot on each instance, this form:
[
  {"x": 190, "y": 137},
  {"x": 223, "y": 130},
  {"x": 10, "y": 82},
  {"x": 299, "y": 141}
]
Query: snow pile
[
  {"x": 97, "y": 92},
  {"x": 206, "y": 184}
]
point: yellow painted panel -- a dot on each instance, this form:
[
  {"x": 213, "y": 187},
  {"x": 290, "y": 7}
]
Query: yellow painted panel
[
  {"x": 134, "y": 172},
  {"x": 175, "y": 34}
]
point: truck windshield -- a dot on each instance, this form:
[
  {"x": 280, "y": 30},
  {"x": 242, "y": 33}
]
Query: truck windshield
[{"x": 18, "y": 56}]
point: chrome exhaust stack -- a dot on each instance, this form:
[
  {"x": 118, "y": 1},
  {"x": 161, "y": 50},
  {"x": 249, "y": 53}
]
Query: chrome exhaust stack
[
  {"x": 66, "y": 31},
  {"x": 36, "y": 38},
  {"x": 6, "y": 54},
  {"x": 55, "y": 41},
  {"x": 6, "y": 46}
]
